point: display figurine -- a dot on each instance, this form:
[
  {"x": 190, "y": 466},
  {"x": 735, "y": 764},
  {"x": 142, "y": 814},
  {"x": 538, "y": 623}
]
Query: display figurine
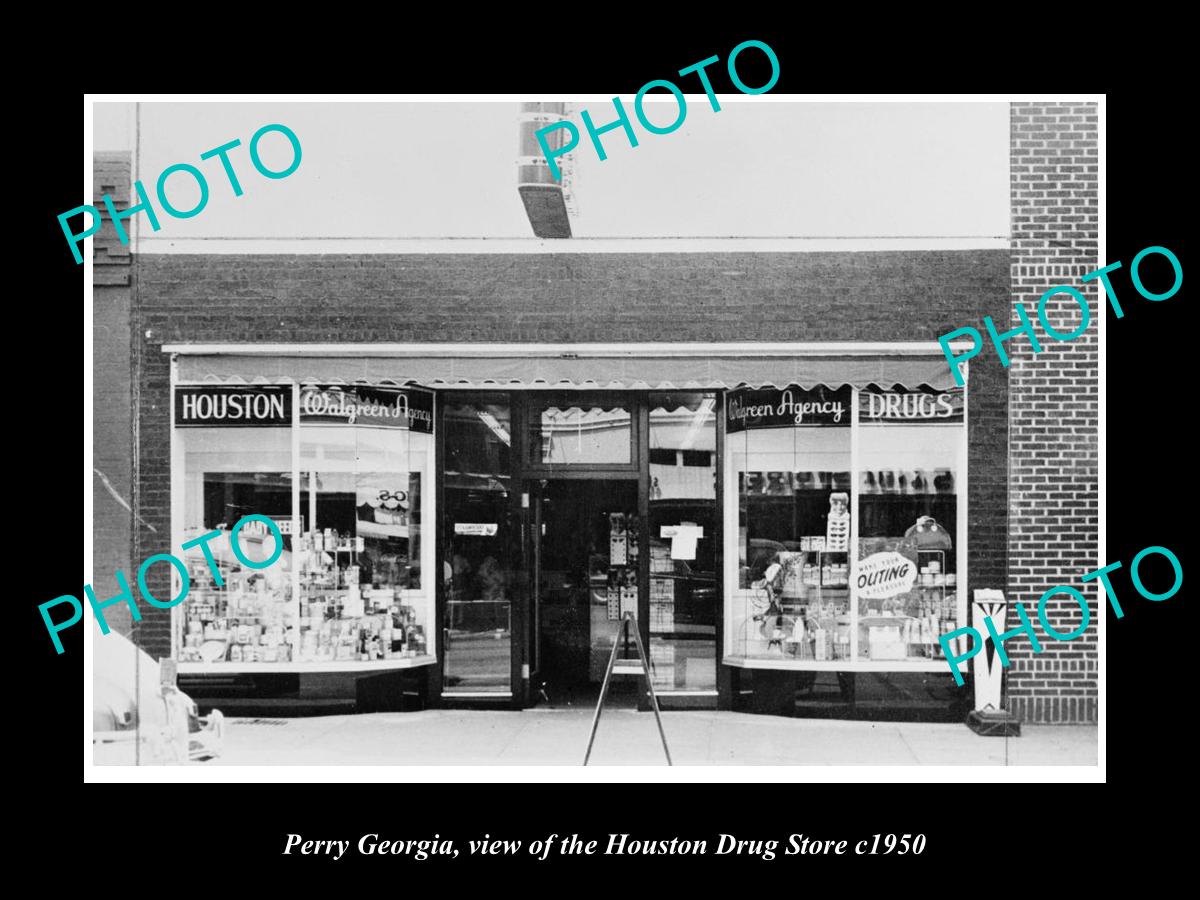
[{"x": 837, "y": 527}]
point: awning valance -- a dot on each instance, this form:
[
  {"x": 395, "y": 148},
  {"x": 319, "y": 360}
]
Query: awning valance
[{"x": 610, "y": 370}]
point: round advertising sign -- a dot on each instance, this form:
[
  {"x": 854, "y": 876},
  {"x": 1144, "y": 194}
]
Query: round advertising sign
[{"x": 886, "y": 574}]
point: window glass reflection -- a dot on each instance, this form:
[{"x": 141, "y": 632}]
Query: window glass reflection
[
  {"x": 477, "y": 574},
  {"x": 683, "y": 518},
  {"x": 580, "y": 435}
]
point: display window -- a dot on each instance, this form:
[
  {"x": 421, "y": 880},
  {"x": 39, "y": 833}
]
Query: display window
[
  {"x": 911, "y": 443},
  {"x": 843, "y": 511},
  {"x": 347, "y": 480},
  {"x": 790, "y": 456},
  {"x": 240, "y": 614}
]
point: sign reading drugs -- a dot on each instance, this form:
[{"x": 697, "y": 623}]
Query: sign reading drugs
[
  {"x": 356, "y": 404},
  {"x": 227, "y": 406},
  {"x": 883, "y": 575},
  {"x": 910, "y": 406},
  {"x": 751, "y": 408}
]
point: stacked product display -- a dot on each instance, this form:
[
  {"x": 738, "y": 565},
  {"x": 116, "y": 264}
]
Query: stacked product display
[
  {"x": 810, "y": 620},
  {"x": 250, "y": 618},
  {"x": 907, "y": 598},
  {"x": 904, "y": 622},
  {"x": 344, "y": 619},
  {"x": 662, "y": 587},
  {"x": 907, "y": 481},
  {"x": 816, "y": 600},
  {"x": 908, "y": 625}
]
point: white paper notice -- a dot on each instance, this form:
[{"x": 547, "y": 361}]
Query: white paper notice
[
  {"x": 683, "y": 539},
  {"x": 684, "y": 546},
  {"x": 480, "y": 529}
]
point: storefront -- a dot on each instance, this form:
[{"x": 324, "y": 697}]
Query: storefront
[
  {"x": 436, "y": 290},
  {"x": 480, "y": 516}
]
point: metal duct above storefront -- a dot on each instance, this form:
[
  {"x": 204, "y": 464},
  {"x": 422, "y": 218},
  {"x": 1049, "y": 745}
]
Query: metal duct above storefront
[{"x": 674, "y": 367}]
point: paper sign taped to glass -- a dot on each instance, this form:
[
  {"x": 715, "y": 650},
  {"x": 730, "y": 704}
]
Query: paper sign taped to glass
[
  {"x": 684, "y": 538},
  {"x": 478, "y": 529}
]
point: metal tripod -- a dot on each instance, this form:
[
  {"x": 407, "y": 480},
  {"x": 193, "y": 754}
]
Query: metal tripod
[{"x": 627, "y": 666}]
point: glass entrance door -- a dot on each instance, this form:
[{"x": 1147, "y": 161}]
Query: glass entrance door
[{"x": 587, "y": 556}]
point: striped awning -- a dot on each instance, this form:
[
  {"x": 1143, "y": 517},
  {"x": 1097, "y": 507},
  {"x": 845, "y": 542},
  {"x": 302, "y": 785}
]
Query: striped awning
[{"x": 538, "y": 369}]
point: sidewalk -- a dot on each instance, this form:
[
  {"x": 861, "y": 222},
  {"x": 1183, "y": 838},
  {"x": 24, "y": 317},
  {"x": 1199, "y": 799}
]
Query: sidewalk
[{"x": 625, "y": 737}]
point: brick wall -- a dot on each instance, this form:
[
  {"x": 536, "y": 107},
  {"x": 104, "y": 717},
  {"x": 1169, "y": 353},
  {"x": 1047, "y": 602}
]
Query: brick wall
[
  {"x": 1053, "y": 395},
  {"x": 869, "y": 296},
  {"x": 112, "y": 398}
]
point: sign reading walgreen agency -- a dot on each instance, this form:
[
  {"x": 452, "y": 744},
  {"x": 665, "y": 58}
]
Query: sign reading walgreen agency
[
  {"x": 354, "y": 404},
  {"x": 269, "y": 406},
  {"x": 909, "y": 406},
  {"x": 753, "y": 408}
]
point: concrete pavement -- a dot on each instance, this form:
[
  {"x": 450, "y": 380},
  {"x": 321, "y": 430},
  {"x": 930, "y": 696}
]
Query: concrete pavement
[{"x": 626, "y": 737}]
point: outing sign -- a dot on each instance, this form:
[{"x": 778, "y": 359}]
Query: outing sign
[{"x": 886, "y": 574}]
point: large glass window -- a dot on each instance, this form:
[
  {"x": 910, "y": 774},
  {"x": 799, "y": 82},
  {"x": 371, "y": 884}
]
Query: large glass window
[
  {"x": 361, "y": 577},
  {"x": 230, "y": 473},
  {"x": 907, "y": 579},
  {"x": 477, "y": 542},
  {"x": 814, "y": 487},
  {"x": 683, "y": 541},
  {"x": 351, "y": 584},
  {"x": 790, "y": 455}
]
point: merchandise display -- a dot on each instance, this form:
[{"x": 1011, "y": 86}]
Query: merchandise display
[
  {"x": 861, "y": 519},
  {"x": 662, "y": 587},
  {"x": 613, "y": 586},
  {"x": 906, "y": 623},
  {"x": 345, "y": 476},
  {"x": 812, "y": 606},
  {"x": 250, "y": 618},
  {"x": 621, "y": 591},
  {"x": 837, "y": 528},
  {"x": 804, "y": 612},
  {"x": 342, "y": 618}
]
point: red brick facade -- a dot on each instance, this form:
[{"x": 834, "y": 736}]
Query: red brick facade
[{"x": 1054, "y": 407}]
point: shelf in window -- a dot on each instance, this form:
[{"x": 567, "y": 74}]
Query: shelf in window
[
  {"x": 324, "y": 665},
  {"x": 703, "y": 632},
  {"x": 819, "y": 589},
  {"x": 914, "y": 664}
]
